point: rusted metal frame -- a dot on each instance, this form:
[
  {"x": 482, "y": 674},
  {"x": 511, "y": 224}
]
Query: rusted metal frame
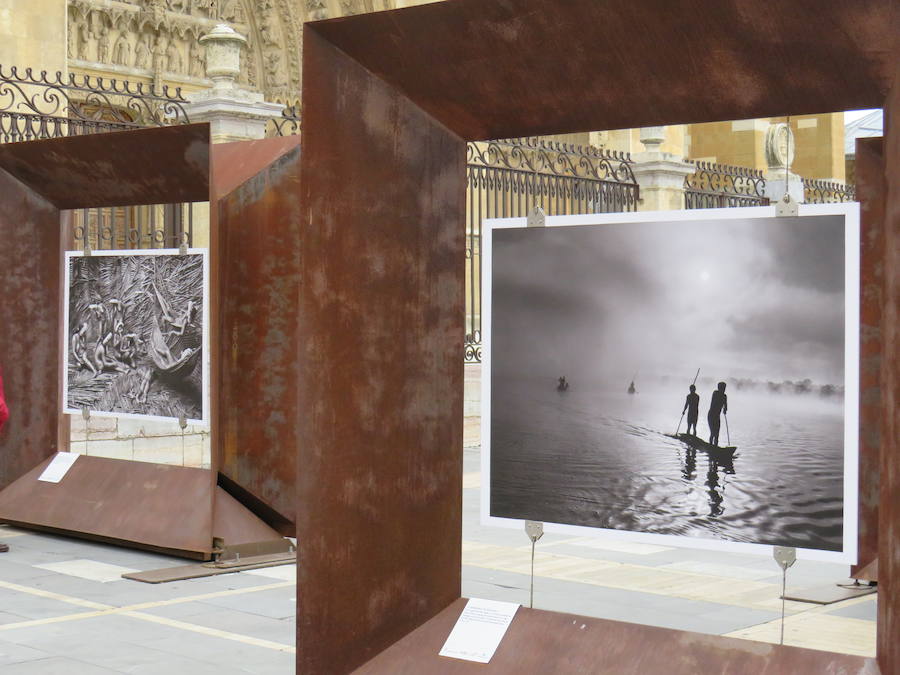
[
  {"x": 30, "y": 346},
  {"x": 260, "y": 275},
  {"x": 888, "y": 648},
  {"x": 856, "y": 63},
  {"x": 551, "y": 642},
  {"x": 871, "y": 189},
  {"x": 381, "y": 381}
]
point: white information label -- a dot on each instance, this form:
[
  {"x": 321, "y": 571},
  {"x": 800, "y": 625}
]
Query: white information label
[
  {"x": 479, "y": 629},
  {"x": 58, "y": 467}
]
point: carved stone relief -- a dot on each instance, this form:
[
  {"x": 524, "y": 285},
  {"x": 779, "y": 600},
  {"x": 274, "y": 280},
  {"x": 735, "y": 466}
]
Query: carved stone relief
[{"x": 158, "y": 38}]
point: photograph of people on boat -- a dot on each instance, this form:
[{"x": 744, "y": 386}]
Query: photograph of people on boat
[
  {"x": 135, "y": 334},
  {"x": 704, "y": 367}
]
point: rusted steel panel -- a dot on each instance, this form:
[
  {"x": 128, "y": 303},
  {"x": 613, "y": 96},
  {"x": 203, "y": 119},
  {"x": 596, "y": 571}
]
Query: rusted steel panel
[
  {"x": 164, "y": 165},
  {"x": 236, "y": 163},
  {"x": 153, "y": 506},
  {"x": 381, "y": 373},
  {"x": 889, "y": 511},
  {"x": 550, "y": 642},
  {"x": 258, "y": 228},
  {"x": 30, "y": 264},
  {"x": 235, "y": 525},
  {"x": 870, "y": 190},
  {"x": 504, "y": 68}
]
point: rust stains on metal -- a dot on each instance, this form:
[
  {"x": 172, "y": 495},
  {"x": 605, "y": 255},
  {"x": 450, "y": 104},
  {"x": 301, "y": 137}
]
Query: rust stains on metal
[
  {"x": 162, "y": 165},
  {"x": 500, "y": 69},
  {"x": 260, "y": 271},
  {"x": 152, "y": 506},
  {"x": 30, "y": 264},
  {"x": 385, "y": 96},
  {"x": 381, "y": 378},
  {"x": 870, "y": 190},
  {"x": 550, "y": 642},
  {"x": 889, "y": 511}
]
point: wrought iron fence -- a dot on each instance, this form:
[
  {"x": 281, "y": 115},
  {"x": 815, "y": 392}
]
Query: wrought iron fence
[
  {"x": 816, "y": 191},
  {"x": 714, "y": 186},
  {"x": 287, "y": 125},
  {"x": 508, "y": 178},
  {"x": 37, "y": 106}
]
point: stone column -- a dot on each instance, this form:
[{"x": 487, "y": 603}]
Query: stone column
[
  {"x": 660, "y": 174},
  {"x": 780, "y": 149},
  {"x": 234, "y": 113}
]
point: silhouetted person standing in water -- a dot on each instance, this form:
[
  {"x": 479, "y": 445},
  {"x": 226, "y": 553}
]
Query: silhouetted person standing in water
[
  {"x": 563, "y": 385},
  {"x": 692, "y": 405},
  {"x": 717, "y": 406}
]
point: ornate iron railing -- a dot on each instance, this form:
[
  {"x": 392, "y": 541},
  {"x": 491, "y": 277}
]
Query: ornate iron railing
[
  {"x": 288, "y": 124},
  {"x": 36, "y": 106},
  {"x": 720, "y": 185},
  {"x": 508, "y": 178},
  {"x": 817, "y": 191},
  {"x": 40, "y": 105}
]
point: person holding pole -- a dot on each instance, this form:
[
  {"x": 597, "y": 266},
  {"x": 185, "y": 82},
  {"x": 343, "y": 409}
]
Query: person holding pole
[
  {"x": 717, "y": 406},
  {"x": 692, "y": 406}
]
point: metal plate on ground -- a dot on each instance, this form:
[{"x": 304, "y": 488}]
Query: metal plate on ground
[
  {"x": 183, "y": 572},
  {"x": 827, "y": 594}
]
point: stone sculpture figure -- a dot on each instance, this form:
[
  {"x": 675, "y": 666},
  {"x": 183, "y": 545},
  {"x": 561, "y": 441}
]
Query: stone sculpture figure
[
  {"x": 103, "y": 46},
  {"x": 84, "y": 37},
  {"x": 197, "y": 60},
  {"x": 122, "y": 50},
  {"x": 159, "y": 54},
  {"x": 174, "y": 62},
  {"x": 142, "y": 53}
]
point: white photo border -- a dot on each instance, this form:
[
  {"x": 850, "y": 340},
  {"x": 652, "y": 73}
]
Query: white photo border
[
  {"x": 205, "y": 394},
  {"x": 850, "y": 211}
]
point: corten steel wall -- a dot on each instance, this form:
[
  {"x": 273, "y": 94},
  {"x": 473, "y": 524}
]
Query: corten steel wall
[
  {"x": 381, "y": 384},
  {"x": 30, "y": 264},
  {"x": 889, "y": 513},
  {"x": 258, "y": 225},
  {"x": 377, "y": 89},
  {"x": 871, "y": 193}
]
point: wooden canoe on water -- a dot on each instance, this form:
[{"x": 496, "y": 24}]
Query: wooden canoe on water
[{"x": 699, "y": 444}]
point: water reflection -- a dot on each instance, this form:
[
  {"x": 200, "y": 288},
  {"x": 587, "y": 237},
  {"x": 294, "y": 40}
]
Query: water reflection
[{"x": 606, "y": 459}]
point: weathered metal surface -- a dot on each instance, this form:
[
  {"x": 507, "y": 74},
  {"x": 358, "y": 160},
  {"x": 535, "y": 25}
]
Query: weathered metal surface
[
  {"x": 549, "y": 642},
  {"x": 152, "y": 506},
  {"x": 258, "y": 232},
  {"x": 384, "y": 95},
  {"x": 124, "y": 168},
  {"x": 381, "y": 381},
  {"x": 236, "y": 163},
  {"x": 889, "y": 511},
  {"x": 871, "y": 192},
  {"x": 237, "y": 527},
  {"x": 30, "y": 264},
  {"x": 501, "y": 68}
]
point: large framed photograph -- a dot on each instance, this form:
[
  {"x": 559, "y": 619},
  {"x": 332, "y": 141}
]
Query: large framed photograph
[
  {"x": 136, "y": 334},
  {"x": 687, "y": 377}
]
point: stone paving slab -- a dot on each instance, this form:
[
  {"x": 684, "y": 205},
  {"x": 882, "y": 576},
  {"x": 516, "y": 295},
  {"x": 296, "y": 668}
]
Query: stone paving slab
[{"x": 867, "y": 611}]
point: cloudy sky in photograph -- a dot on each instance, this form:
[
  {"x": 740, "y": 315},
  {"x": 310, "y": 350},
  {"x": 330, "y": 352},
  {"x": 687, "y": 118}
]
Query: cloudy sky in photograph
[{"x": 760, "y": 298}]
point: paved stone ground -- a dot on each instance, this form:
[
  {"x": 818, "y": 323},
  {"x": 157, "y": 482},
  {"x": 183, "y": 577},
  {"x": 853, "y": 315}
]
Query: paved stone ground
[{"x": 65, "y": 609}]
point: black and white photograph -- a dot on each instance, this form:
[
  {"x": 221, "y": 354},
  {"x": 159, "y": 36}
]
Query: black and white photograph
[
  {"x": 690, "y": 376},
  {"x": 136, "y": 334}
]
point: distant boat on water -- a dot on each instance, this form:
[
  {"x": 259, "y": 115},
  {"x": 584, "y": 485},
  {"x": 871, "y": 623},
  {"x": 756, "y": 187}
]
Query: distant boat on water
[{"x": 631, "y": 389}]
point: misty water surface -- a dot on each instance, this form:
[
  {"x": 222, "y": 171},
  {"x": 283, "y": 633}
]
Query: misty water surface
[{"x": 598, "y": 457}]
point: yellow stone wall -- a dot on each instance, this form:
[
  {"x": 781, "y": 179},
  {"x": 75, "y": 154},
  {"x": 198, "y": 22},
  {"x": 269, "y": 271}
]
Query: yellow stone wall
[
  {"x": 33, "y": 34},
  {"x": 819, "y": 141}
]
